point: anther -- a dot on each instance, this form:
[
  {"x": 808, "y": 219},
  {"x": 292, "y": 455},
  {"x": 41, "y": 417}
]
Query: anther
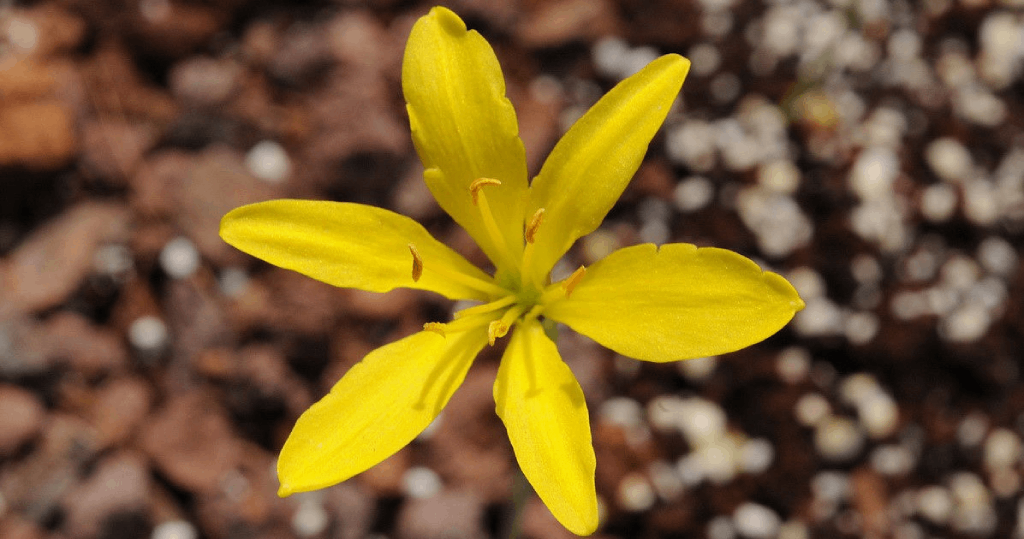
[
  {"x": 436, "y": 327},
  {"x": 533, "y": 225},
  {"x": 574, "y": 280},
  {"x": 474, "y": 188},
  {"x": 496, "y": 330},
  {"x": 417, "y": 263}
]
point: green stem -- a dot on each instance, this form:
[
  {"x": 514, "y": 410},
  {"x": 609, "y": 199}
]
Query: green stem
[{"x": 520, "y": 493}]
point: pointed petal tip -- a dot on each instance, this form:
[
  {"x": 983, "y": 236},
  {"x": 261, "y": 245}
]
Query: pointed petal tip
[
  {"x": 448, "y": 19},
  {"x": 284, "y": 491},
  {"x": 783, "y": 287}
]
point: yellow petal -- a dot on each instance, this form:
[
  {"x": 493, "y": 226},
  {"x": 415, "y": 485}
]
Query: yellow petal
[
  {"x": 377, "y": 408},
  {"x": 463, "y": 126},
  {"x": 592, "y": 164},
  {"x": 542, "y": 406},
  {"x": 679, "y": 302},
  {"x": 351, "y": 245}
]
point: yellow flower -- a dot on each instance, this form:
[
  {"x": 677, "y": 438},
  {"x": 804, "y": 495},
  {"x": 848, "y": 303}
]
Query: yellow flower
[{"x": 655, "y": 304}]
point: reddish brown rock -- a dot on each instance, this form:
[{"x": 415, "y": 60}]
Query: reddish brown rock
[
  {"x": 52, "y": 262},
  {"x": 87, "y": 349},
  {"x": 120, "y": 407},
  {"x": 191, "y": 442},
  {"x": 119, "y": 484},
  {"x": 41, "y": 135},
  {"x": 447, "y": 514},
  {"x": 558, "y": 23},
  {"x": 112, "y": 150},
  {"x": 21, "y": 418}
]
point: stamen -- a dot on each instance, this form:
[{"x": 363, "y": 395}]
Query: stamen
[
  {"x": 436, "y": 327},
  {"x": 490, "y": 225},
  {"x": 573, "y": 280},
  {"x": 499, "y": 328},
  {"x": 474, "y": 188},
  {"x": 496, "y": 330},
  {"x": 486, "y": 307},
  {"x": 530, "y": 234},
  {"x": 534, "y": 224},
  {"x": 417, "y": 263}
]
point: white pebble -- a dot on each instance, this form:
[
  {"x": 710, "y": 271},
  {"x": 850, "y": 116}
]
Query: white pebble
[
  {"x": 997, "y": 256},
  {"x": 861, "y": 327},
  {"x": 780, "y": 175},
  {"x": 892, "y": 460},
  {"x": 972, "y": 429},
  {"x": 838, "y": 439},
  {"x": 935, "y": 503},
  {"x": 831, "y": 486},
  {"x": 948, "y": 159},
  {"x": 725, "y": 87},
  {"x": 820, "y": 317},
  {"x": 233, "y": 281},
  {"x": 310, "y": 519},
  {"x": 874, "y": 172},
  {"x": 693, "y": 193},
  {"x": 794, "y": 529},
  {"x": 113, "y": 259},
  {"x": 967, "y": 323},
  {"x": 421, "y": 482},
  {"x": 635, "y": 493},
  {"x": 179, "y": 258},
  {"x": 268, "y": 161},
  {"x": 811, "y": 409},
  {"x": 721, "y": 528},
  {"x": 692, "y": 144},
  {"x": 666, "y": 480},
  {"x": 938, "y": 202},
  {"x": 756, "y": 521},
  {"x": 703, "y": 421},
  {"x": 622, "y": 411},
  {"x": 756, "y": 456},
  {"x": 793, "y": 364},
  {"x": 174, "y": 529},
  {"x": 718, "y": 459},
  {"x": 705, "y": 59},
  {"x": 1002, "y": 449},
  {"x": 148, "y": 334},
  {"x": 609, "y": 56},
  {"x": 699, "y": 369},
  {"x": 879, "y": 415}
]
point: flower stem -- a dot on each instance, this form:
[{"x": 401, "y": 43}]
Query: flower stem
[{"x": 520, "y": 493}]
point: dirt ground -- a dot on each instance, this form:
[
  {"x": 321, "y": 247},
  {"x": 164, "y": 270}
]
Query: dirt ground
[{"x": 871, "y": 151}]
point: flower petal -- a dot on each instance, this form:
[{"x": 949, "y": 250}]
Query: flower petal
[
  {"x": 464, "y": 127},
  {"x": 592, "y": 164},
  {"x": 377, "y": 408},
  {"x": 351, "y": 245},
  {"x": 542, "y": 406},
  {"x": 676, "y": 302}
]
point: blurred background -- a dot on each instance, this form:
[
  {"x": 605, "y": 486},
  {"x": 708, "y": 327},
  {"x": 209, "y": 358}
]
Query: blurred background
[{"x": 871, "y": 151}]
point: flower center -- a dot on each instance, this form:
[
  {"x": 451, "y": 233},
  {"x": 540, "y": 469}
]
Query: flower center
[{"x": 520, "y": 299}]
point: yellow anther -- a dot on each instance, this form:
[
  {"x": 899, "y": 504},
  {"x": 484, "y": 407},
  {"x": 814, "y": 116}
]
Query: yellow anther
[
  {"x": 496, "y": 330},
  {"x": 436, "y": 327},
  {"x": 474, "y": 188},
  {"x": 417, "y": 263},
  {"x": 533, "y": 225},
  {"x": 573, "y": 280}
]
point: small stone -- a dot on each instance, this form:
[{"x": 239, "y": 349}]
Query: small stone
[
  {"x": 756, "y": 521},
  {"x": 831, "y": 486},
  {"x": 811, "y": 409},
  {"x": 420, "y": 482},
  {"x": 119, "y": 483},
  {"x": 268, "y": 161},
  {"x": 997, "y": 256},
  {"x": 444, "y": 516},
  {"x": 175, "y": 529},
  {"x": 935, "y": 503},
  {"x": 938, "y": 202},
  {"x": 1003, "y": 449},
  {"x": 756, "y": 456},
  {"x": 179, "y": 258},
  {"x": 698, "y": 369},
  {"x": 693, "y": 193},
  {"x": 793, "y": 364},
  {"x": 838, "y": 439},
  {"x": 948, "y": 159},
  {"x": 148, "y": 334},
  {"x": 635, "y": 493},
  {"x": 721, "y": 527}
]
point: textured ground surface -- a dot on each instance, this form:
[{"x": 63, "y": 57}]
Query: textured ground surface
[{"x": 871, "y": 151}]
